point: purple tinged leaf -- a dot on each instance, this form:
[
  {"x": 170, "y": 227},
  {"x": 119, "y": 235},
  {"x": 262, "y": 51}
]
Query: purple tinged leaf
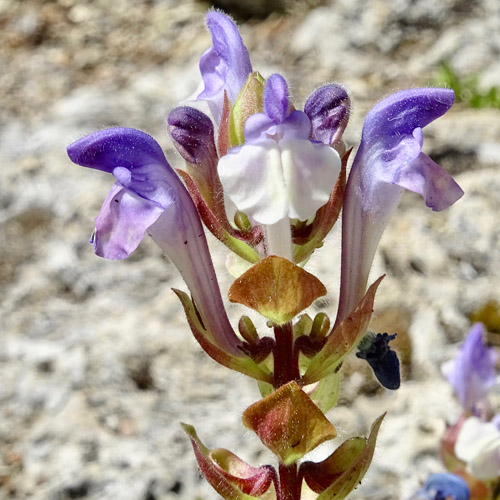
[
  {"x": 389, "y": 159},
  {"x": 328, "y": 108},
  {"x": 473, "y": 371},
  {"x": 226, "y": 65},
  {"x": 150, "y": 197}
]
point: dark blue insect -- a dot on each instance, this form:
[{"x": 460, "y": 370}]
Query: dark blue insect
[{"x": 384, "y": 361}]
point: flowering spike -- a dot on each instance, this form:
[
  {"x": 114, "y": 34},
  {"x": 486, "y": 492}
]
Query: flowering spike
[
  {"x": 328, "y": 109},
  {"x": 389, "y": 159},
  {"x": 383, "y": 361},
  {"x": 226, "y": 65},
  {"x": 148, "y": 196},
  {"x": 473, "y": 371}
]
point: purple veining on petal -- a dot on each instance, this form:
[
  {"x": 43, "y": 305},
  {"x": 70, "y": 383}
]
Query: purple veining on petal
[
  {"x": 473, "y": 371},
  {"x": 193, "y": 134},
  {"x": 328, "y": 108},
  {"x": 389, "y": 159}
]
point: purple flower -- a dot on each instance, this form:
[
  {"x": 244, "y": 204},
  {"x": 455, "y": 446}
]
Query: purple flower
[
  {"x": 389, "y": 160},
  {"x": 279, "y": 172},
  {"x": 328, "y": 108},
  {"x": 148, "y": 196},
  {"x": 473, "y": 372},
  {"x": 226, "y": 65}
]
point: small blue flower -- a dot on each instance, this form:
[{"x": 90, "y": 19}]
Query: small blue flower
[{"x": 443, "y": 487}]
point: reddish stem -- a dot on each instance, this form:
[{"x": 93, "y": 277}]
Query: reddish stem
[
  {"x": 286, "y": 366},
  {"x": 289, "y": 484}
]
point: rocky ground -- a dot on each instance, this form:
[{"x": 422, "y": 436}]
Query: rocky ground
[{"x": 97, "y": 366}]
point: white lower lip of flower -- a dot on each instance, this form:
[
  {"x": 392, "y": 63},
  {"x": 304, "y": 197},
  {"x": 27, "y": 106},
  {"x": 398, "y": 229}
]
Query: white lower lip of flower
[
  {"x": 478, "y": 444},
  {"x": 272, "y": 180}
]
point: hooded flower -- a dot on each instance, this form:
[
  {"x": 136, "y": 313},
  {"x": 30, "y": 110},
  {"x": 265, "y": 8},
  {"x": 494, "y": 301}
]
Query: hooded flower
[
  {"x": 389, "y": 160},
  {"x": 473, "y": 372},
  {"x": 148, "y": 196},
  {"x": 225, "y": 66}
]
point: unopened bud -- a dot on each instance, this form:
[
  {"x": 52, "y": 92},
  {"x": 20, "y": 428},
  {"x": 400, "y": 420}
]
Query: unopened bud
[
  {"x": 320, "y": 326},
  {"x": 247, "y": 330}
]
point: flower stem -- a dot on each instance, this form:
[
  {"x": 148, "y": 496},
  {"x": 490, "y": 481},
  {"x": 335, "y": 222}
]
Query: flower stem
[
  {"x": 285, "y": 363},
  {"x": 278, "y": 238},
  {"x": 289, "y": 484}
]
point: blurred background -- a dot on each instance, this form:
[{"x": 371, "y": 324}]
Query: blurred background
[{"x": 97, "y": 366}]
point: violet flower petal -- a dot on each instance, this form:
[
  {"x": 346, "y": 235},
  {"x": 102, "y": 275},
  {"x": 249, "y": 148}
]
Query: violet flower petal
[
  {"x": 389, "y": 159},
  {"x": 276, "y": 98},
  {"x": 193, "y": 134},
  {"x": 122, "y": 223},
  {"x": 226, "y": 65},
  {"x": 328, "y": 109},
  {"x": 150, "y": 196},
  {"x": 473, "y": 371}
]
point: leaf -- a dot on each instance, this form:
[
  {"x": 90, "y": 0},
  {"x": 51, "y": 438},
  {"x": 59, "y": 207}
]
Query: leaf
[
  {"x": 276, "y": 288},
  {"x": 354, "y": 473},
  {"x": 326, "y": 393},
  {"x": 230, "y": 476},
  {"x": 288, "y": 423},
  {"x": 243, "y": 364},
  {"x": 342, "y": 339}
]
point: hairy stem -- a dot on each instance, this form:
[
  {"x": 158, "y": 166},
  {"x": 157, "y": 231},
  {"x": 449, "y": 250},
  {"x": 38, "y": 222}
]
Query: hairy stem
[
  {"x": 285, "y": 363},
  {"x": 289, "y": 484}
]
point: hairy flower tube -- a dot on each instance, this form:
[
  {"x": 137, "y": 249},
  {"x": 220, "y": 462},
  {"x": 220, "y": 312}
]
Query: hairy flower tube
[
  {"x": 389, "y": 160},
  {"x": 225, "y": 66},
  {"x": 149, "y": 196},
  {"x": 472, "y": 373}
]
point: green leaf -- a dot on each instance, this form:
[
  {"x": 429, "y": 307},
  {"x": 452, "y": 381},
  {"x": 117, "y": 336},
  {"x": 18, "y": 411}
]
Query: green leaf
[
  {"x": 327, "y": 391},
  {"x": 354, "y": 473}
]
